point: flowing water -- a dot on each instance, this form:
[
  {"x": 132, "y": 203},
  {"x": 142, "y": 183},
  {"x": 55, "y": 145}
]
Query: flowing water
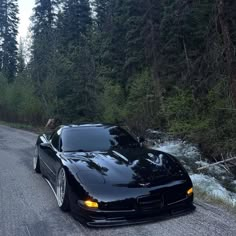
[{"x": 217, "y": 181}]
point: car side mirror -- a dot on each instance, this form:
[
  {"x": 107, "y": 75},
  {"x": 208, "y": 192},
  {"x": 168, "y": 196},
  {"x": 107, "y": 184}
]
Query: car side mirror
[{"x": 45, "y": 145}]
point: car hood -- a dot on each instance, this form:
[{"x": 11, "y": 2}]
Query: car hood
[{"x": 130, "y": 167}]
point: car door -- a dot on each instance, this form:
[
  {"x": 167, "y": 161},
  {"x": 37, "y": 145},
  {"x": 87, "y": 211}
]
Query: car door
[
  {"x": 45, "y": 149},
  {"x": 49, "y": 155},
  {"x": 54, "y": 160}
]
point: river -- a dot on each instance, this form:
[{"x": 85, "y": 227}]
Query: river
[{"x": 217, "y": 181}]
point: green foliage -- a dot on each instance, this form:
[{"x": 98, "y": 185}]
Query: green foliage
[
  {"x": 18, "y": 102},
  {"x": 180, "y": 106},
  {"x": 153, "y": 64},
  {"x": 140, "y": 99},
  {"x": 209, "y": 121},
  {"x": 222, "y": 116},
  {"x": 112, "y": 102},
  {"x": 75, "y": 87}
]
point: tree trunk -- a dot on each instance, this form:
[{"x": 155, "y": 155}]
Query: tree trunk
[
  {"x": 154, "y": 56},
  {"x": 228, "y": 49}
]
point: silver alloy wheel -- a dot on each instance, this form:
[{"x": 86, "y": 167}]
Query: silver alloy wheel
[
  {"x": 35, "y": 158},
  {"x": 61, "y": 187}
]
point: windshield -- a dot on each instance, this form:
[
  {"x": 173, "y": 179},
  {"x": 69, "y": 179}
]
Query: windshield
[{"x": 95, "y": 139}]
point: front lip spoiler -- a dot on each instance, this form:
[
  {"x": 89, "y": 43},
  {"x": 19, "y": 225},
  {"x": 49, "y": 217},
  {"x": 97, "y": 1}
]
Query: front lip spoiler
[{"x": 124, "y": 221}]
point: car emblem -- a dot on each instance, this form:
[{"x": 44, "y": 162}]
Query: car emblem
[{"x": 144, "y": 184}]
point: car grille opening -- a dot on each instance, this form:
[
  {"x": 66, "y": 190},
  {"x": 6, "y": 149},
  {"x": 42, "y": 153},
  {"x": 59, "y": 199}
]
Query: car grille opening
[
  {"x": 118, "y": 206},
  {"x": 150, "y": 202}
]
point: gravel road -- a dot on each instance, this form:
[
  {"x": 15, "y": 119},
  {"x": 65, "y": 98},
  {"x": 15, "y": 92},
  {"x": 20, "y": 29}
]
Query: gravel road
[{"x": 28, "y": 206}]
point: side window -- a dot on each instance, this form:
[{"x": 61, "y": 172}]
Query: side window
[{"x": 56, "y": 140}]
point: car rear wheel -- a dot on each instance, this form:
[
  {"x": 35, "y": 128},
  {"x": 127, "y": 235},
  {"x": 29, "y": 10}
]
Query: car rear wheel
[
  {"x": 62, "y": 190},
  {"x": 36, "y": 162}
]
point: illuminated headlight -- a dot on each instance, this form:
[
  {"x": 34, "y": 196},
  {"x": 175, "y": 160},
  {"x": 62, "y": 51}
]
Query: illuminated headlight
[
  {"x": 190, "y": 192},
  {"x": 91, "y": 204}
]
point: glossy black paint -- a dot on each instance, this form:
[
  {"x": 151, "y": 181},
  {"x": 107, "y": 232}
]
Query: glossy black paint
[{"x": 131, "y": 184}]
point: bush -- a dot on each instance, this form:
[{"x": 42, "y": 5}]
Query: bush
[{"x": 18, "y": 102}]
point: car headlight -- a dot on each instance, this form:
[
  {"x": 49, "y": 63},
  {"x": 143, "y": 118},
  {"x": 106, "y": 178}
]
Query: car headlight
[
  {"x": 90, "y": 204},
  {"x": 190, "y": 192}
]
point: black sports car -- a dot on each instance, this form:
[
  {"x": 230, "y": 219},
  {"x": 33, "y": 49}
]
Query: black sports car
[{"x": 107, "y": 178}]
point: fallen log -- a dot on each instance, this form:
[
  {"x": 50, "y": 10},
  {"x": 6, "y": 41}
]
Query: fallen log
[{"x": 216, "y": 163}]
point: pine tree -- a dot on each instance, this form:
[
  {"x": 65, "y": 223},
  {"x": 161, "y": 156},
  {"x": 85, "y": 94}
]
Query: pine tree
[
  {"x": 76, "y": 87},
  {"x": 111, "y": 35},
  {"x": 226, "y": 19},
  {"x": 8, "y": 33},
  {"x": 43, "y": 48},
  {"x": 103, "y": 13},
  {"x": 44, "y": 20},
  {"x": 75, "y": 21},
  {"x": 21, "y": 64},
  {"x": 135, "y": 53},
  {"x": 102, "y": 36}
]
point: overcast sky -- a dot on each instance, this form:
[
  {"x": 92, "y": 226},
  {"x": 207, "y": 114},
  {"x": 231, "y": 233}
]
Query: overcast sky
[{"x": 25, "y": 10}]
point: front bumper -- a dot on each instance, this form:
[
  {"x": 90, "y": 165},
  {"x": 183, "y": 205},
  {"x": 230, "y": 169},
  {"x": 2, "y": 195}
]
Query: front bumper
[{"x": 99, "y": 218}]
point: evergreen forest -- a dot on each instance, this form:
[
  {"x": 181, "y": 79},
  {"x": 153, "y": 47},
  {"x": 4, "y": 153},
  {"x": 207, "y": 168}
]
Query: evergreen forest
[{"x": 168, "y": 65}]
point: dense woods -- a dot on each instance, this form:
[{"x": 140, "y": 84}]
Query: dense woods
[{"x": 167, "y": 64}]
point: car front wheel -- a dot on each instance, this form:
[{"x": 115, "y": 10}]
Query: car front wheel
[
  {"x": 62, "y": 190},
  {"x": 36, "y": 162}
]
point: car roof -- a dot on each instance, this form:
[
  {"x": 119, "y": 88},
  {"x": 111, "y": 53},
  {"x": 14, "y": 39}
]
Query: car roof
[{"x": 89, "y": 125}]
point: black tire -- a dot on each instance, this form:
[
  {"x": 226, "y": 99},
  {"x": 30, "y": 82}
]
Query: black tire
[
  {"x": 63, "y": 201},
  {"x": 36, "y": 161}
]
